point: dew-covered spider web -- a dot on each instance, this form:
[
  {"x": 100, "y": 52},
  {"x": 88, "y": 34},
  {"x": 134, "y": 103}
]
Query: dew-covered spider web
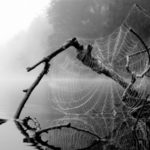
[{"x": 93, "y": 99}]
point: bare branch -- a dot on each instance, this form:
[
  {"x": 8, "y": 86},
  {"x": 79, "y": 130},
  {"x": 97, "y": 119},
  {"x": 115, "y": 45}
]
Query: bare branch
[
  {"x": 40, "y": 76},
  {"x": 143, "y": 43},
  {"x": 147, "y": 69},
  {"x": 95, "y": 142}
]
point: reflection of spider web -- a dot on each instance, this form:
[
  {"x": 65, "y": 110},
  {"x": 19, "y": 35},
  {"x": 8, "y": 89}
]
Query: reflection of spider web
[
  {"x": 69, "y": 138},
  {"x": 75, "y": 89}
]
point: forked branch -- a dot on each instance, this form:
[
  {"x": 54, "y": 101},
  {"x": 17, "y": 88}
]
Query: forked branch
[
  {"x": 84, "y": 55},
  {"x": 44, "y": 71}
]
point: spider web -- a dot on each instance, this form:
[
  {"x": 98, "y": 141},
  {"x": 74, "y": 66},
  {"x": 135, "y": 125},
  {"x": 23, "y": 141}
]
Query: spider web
[
  {"x": 112, "y": 51},
  {"x": 76, "y": 90}
]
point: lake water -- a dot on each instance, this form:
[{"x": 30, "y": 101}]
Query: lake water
[{"x": 40, "y": 105}]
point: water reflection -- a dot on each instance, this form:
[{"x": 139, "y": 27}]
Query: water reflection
[
  {"x": 71, "y": 132},
  {"x": 14, "y": 135},
  {"x": 62, "y": 134},
  {"x": 11, "y": 138}
]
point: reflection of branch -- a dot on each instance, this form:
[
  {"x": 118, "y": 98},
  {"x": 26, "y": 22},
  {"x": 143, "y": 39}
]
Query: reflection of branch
[
  {"x": 36, "y": 139},
  {"x": 2, "y": 121},
  {"x": 27, "y": 120},
  {"x": 95, "y": 142},
  {"x": 67, "y": 126},
  {"x": 85, "y": 56},
  {"x": 54, "y": 54}
]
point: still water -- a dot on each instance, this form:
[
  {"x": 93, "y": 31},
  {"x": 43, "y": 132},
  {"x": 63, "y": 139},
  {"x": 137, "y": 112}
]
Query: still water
[
  {"x": 105, "y": 98},
  {"x": 38, "y": 106}
]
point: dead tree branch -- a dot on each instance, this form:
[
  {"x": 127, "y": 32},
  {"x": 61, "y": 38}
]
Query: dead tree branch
[{"x": 84, "y": 55}]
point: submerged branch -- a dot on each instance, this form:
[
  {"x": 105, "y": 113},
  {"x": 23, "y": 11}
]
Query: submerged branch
[
  {"x": 84, "y": 55},
  {"x": 30, "y": 90}
]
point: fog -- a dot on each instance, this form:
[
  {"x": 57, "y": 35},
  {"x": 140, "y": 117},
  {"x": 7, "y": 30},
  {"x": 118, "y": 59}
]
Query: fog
[
  {"x": 43, "y": 33},
  {"x": 24, "y": 41}
]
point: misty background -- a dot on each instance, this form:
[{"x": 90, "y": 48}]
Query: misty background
[{"x": 61, "y": 20}]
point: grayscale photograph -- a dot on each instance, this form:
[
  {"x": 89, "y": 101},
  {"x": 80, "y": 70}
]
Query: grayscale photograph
[{"x": 74, "y": 74}]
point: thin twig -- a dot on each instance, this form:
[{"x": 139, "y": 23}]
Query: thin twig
[
  {"x": 84, "y": 55},
  {"x": 30, "y": 90},
  {"x": 54, "y": 54},
  {"x": 95, "y": 142},
  {"x": 35, "y": 140},
  {"x": 45, "y": 70},
  {"x": 143, "y": 73}
]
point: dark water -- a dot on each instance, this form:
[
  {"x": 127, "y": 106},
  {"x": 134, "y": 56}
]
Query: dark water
[
  {"x": 41, "y": 106},
  {"x": 38, "y": 106}
]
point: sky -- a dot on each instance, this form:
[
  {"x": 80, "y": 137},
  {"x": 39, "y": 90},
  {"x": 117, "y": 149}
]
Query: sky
[
  {"x": 21, "y": 21},
  {"x": 17, "y": 15}
]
